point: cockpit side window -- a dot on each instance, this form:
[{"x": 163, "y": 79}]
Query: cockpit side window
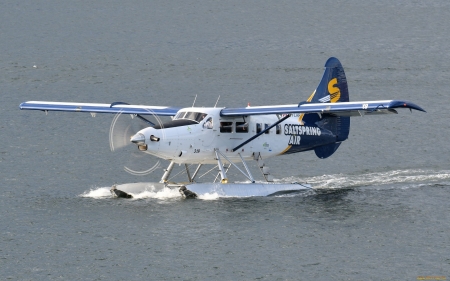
[
  {"x": 208, "y": 123},
  {"x": 194, "y": 116},
  {"x": 190, "y": 115},
  {"x": 200, "y": 117},
  {"x": 180, "y": 115}
]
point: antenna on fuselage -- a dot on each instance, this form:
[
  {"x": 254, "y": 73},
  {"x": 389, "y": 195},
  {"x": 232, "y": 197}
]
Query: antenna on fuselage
[
  {"x": 217, "y": 101},
  {"x": 194, "y": 100}
]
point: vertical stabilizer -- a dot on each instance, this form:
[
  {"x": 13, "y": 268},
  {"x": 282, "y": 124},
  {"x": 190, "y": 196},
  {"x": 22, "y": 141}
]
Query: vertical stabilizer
[{"x": 333, "y": 88}]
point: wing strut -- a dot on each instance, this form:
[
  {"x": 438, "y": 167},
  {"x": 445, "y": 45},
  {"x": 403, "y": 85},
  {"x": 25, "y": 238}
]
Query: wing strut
[
  {"x": 260, "y": 133},
  {"x": 145, "y": 120}
]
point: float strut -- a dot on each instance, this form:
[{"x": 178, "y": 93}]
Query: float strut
[
  {"x": 167, "y": 172},
  {"x": 249, "y": 176},
  {"x": 223, "y": 173},
  {"x": 196, "y": 172},
  {"x": 187, "y": 172}
]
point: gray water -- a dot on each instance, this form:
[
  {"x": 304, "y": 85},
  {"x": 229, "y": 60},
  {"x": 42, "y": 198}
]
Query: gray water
[{"x": 380, "y": 207}]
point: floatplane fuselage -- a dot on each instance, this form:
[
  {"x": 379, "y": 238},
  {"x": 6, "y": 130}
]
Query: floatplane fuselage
[{"x": 195, "y": 133}]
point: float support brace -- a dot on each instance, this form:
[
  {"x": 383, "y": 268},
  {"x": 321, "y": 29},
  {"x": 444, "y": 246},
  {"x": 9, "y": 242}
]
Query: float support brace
[
  {"x": 223, "y": 173},
  {"x": 167, "y": 172}
]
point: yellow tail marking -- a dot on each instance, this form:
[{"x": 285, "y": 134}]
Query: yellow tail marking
[
  {"x": 300, "y": 118},
  {"x": 334, "y": 91}
]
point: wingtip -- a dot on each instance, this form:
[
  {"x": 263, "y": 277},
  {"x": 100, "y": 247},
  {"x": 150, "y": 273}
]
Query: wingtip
[
  {"x": 405, "y": 104},
  {"x": 416, "y": 107}
]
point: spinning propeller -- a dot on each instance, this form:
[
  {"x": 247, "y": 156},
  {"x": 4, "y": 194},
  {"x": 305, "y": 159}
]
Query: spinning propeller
[{"x": 123, "y": 139}]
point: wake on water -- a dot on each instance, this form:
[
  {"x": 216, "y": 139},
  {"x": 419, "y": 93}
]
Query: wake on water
[
  {"x": 142, "y": 191},
  {"x": 382, "y": 180},
  {"x": 147, "y": 190},
  {"x": 402, "y": 179}
]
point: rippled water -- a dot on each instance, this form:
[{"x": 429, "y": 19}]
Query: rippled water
[{"x": 379, "y": 207}]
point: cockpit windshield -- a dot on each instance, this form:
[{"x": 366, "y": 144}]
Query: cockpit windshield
[{"x": 194, "y": 116}]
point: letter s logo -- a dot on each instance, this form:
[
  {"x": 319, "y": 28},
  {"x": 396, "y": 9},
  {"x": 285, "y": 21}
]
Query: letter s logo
[{"x": 334, "y": 91}]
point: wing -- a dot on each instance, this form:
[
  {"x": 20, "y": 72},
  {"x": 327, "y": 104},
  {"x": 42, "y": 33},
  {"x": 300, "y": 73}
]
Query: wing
[
  {"x": 115, "y": 107},
  {"x": 357, "y": 108}
]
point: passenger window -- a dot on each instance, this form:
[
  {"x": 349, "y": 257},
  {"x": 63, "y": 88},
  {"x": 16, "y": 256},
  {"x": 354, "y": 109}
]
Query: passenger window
[
  {"x": 226, "y": 127},
  {"x": 241, "y": 127},
  {"x": 265, "y": 127},
  {"x": 258, "y": 128},
  {"x": 278, "y": 129}
]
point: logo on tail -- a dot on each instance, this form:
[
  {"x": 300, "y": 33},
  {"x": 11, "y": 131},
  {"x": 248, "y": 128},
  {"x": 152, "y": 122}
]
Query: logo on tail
[{"x": 334, "y": 92}]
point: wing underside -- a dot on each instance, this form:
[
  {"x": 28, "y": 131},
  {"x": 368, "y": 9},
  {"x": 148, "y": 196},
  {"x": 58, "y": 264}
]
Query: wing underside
[
  {"x": 116, "y": 107},
  {"x": 359, "y": 108}
]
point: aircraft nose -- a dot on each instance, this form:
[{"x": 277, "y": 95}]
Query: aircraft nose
[{"x": 138, "y": 139}]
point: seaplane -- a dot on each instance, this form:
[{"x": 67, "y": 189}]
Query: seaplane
[{"x": 225, "y": 137}]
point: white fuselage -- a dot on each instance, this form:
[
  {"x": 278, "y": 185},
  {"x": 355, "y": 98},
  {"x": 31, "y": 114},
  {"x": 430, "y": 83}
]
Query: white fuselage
[{"x": 195, "y": 143}]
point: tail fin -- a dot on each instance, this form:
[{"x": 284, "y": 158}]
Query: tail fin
[{"x": 332, "y": 88}]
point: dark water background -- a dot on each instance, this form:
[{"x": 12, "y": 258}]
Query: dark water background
[{"x": 381, "y": 207}]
